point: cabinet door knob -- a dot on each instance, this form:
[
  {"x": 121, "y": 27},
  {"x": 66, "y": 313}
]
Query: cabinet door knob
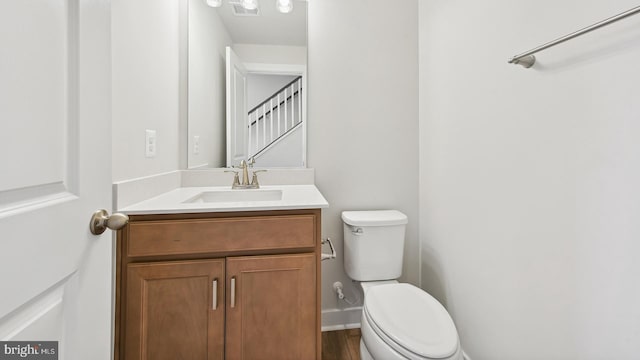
[
  {"x": 101, "y": 220},
  {"x": 233, "y": 292}
]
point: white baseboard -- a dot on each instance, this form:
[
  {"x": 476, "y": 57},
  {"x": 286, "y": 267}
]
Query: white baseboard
[
  {"x": 341, "y": 319},
  {"x": 341, "y": 327}
]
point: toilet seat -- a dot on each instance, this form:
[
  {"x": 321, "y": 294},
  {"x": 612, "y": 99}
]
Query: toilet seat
[{"x": 411, "y": 322}]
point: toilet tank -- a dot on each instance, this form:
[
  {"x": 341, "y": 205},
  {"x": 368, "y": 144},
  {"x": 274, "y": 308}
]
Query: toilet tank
[{"x": 373, "y": 244}]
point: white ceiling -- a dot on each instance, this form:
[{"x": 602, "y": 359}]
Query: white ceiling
[{"x": 270, "y": 27}]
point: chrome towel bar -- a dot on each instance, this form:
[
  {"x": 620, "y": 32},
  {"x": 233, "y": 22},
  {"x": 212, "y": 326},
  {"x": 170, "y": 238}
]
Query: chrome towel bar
[{"x": 527, "y": 59}]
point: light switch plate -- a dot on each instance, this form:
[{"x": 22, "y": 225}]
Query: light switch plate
[
  {"x": 196, "y": 144},
  {"x": 150, "y": 143}
]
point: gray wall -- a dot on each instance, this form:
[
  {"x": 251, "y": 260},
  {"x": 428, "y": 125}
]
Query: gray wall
[
  {"x": 145, "y": 89},
  {"x": 530, "y": 205},
  {"x": 208, "y": 39},
  {"x": 363, "y": 118},
  {"x": 263, "y": 86}
]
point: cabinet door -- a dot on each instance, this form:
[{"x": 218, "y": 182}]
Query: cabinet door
[
  {"x": 273, "y": 315},
  {"x": 172, "y": 311}
]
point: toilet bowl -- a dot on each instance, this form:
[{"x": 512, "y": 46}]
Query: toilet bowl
[{"x": 399, "y": 321}]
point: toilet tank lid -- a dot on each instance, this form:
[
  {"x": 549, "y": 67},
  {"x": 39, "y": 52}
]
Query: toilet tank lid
[{"x": 374, "y": 218}]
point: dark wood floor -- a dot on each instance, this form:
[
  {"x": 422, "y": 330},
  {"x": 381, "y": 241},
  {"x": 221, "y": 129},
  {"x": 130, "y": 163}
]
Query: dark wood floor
[{"x": 341, "y": 345}]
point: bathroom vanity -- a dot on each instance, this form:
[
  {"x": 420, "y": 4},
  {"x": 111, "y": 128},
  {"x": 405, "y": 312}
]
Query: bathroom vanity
[{"x": 218, "y": 283}]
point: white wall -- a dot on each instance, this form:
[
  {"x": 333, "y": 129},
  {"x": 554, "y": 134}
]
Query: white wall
[
  {"x": 145, "y": 70},
  {"x": 207, "y": 109},
  {"x": 263, "y": 86},
  {"x": 285, "y": 153},
  {"x": 529, "y": 197},
  {"x": 271, "y": 54},
  {"x": 363, "y": 118}
]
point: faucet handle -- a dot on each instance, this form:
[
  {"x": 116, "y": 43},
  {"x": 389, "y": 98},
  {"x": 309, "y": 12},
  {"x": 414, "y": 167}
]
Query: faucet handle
[
  {"x": 254, "y": 180},
  {"x": 252, "y": 161},
  {"x": 236, "y": 178}
]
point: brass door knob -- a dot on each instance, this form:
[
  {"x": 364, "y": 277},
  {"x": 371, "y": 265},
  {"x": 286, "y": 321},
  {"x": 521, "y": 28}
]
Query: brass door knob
[{"x": 101, "y": 220}]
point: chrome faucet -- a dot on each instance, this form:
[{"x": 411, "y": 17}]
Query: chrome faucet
[
  {"x": 245, "y": 176},
  {"x": 245, "y": 173}
]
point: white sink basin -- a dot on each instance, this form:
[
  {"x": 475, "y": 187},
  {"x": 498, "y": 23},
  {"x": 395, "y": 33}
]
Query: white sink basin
[{"x": 235, "y": 196}]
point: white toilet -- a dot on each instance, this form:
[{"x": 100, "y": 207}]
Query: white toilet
[{"x": 399, "y": 321}]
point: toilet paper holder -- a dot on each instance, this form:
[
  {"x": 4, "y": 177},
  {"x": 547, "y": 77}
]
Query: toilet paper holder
[{"x": 324, "y": 256}]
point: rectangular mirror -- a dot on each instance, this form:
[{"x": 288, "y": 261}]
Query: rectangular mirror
[{"x": 247, "y": 73}]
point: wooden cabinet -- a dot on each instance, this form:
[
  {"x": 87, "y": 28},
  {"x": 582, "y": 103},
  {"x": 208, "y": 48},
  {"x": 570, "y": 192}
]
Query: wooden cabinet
[
  {"x": 271, "y": 317},
  {"x": 219, "y": 286},
  {"x": 170, "y": 312}
]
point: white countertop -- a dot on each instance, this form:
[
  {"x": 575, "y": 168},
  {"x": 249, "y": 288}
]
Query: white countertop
[{"x": 176, "y": 201}]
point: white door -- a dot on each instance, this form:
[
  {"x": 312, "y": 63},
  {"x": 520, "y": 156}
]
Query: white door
[
  {"x": 55, "y": 171},
  {"x": 237, "y": 124}
]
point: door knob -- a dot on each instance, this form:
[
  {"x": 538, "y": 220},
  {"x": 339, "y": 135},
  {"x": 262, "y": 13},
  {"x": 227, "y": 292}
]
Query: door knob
[{"x": 101, "y": 220}]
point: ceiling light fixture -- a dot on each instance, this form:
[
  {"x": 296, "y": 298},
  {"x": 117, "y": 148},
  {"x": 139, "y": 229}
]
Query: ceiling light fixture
[
  {"x": 284, "y": 6},
  {"x": 214, "y": 3},
  {"x": 250, "y": 4}
]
